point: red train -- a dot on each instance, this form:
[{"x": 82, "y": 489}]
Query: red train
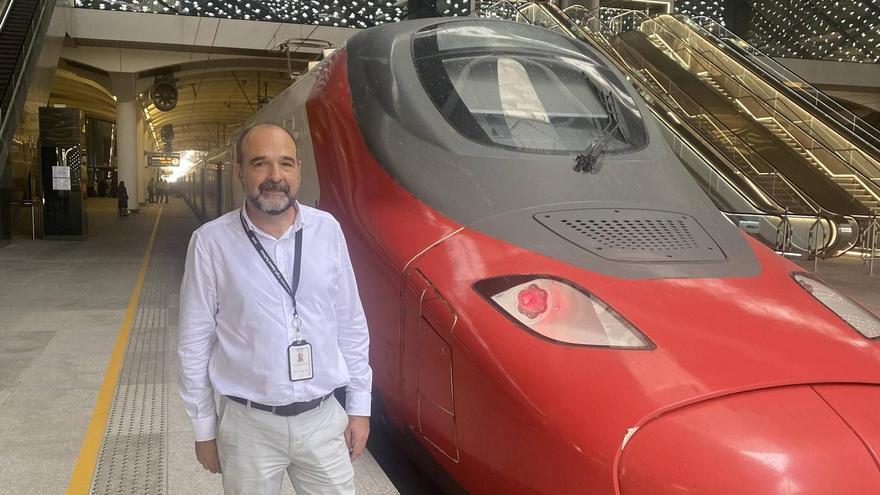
[{"x": 555, "y": 305}]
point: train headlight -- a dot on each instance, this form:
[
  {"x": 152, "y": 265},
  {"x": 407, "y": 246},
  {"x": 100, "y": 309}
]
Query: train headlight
[
  {"x": 862, "y": 320},
  {"x": 560, "y": 311}
]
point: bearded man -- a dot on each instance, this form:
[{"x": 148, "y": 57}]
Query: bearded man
[{"x": 271, "y": 320}]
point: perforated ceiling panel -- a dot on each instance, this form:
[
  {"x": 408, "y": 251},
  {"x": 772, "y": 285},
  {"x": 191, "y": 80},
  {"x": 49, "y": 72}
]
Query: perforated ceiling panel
[{"x": 634, "y": 235}]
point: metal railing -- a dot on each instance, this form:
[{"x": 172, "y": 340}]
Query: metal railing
[
  {"x": 864, "y": 133},
  {"x": 846, "y": 162},
  {"x": 870, "y": 242}
]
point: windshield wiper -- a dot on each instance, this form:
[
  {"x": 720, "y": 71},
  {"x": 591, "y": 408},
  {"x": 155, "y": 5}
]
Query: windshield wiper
[{"x": 588, "y": 161}]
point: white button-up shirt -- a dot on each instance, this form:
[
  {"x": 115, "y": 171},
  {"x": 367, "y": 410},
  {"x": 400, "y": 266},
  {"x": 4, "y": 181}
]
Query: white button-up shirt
[{"x": 236, "y": 319}]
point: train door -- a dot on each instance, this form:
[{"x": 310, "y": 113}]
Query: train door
[{"x": 427, "y": 387}]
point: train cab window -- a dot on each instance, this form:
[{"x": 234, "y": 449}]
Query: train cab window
[{"x": 531, "y": 91}]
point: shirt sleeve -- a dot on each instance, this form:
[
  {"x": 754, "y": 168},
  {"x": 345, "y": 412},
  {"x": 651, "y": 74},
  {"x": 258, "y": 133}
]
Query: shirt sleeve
[
  {"x": 198, "y": 330},
  {"x": 353, "y": 337}
]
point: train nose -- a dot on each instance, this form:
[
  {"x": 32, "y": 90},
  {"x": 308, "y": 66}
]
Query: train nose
[{"x": 804, "y": 440}]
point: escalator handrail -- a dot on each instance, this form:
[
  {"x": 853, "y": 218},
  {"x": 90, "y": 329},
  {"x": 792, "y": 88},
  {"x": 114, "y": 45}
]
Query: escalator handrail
[
  {"x": 6, "y": 8},
  {"x": 844, "y": 117},
  {"x": 867, "y": 182},
  {"x": 726, "y": 132}
]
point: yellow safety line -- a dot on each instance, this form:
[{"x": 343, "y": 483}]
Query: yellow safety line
[{"x": 81, "y": 479}]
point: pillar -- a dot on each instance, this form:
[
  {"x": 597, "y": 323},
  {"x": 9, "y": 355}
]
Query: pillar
[{"x": 127, "y": 159}]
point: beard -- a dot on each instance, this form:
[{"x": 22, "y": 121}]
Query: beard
[{"x": 269, "y": 201}]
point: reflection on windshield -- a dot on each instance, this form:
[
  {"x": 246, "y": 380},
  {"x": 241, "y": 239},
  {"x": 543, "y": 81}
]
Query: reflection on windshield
[{"x": 547, "y": 99}]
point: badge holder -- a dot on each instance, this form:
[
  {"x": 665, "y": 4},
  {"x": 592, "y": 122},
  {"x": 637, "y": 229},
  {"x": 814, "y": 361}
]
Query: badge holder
[{"x": 299, "y": 357}]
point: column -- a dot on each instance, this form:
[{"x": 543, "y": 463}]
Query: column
[
  {"x": 127, "y": 159},
  {"x": 126, "y": 149}
]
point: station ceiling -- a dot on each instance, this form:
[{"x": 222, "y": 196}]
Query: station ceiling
[
  {"x": 213, "y": 104},
  {"x": 214, "y": 98}
]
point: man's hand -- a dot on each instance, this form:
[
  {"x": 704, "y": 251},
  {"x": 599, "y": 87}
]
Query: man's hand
[
  {"x": 206, "y": 453},
  {"x": 356, "y": 435}
]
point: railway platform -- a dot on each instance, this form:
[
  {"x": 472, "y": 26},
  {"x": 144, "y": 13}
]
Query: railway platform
[{"x": 88, "y": 381}]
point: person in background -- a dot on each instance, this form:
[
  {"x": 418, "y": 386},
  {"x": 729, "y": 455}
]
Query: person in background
[
  {"x": 151, "y": 189},
  {"x": 122, "y": 199},
  {"x": 163, "y": 191}
]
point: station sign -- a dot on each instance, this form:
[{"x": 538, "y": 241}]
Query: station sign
[{"x": 163, "y": 159}]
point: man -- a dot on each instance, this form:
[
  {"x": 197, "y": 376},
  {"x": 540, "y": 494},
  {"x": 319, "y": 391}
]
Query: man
[
  {"x": 162, "y": 187},
  {"x": 274, "y": 342},
  {"x": 151, "y": 189}
]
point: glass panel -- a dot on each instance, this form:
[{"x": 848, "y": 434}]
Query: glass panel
[{"x": 526, "y": 90}]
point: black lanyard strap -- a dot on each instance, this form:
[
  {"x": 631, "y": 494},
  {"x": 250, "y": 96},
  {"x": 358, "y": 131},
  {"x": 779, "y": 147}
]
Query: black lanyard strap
[{"x": 297, "y": 262}]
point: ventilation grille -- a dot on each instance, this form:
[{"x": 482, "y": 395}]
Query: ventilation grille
[{"x": 634, "y": 235}]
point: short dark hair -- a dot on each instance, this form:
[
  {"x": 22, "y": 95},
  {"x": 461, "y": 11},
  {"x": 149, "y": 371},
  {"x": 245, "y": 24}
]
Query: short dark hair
[{"x": 239, "y": 155}]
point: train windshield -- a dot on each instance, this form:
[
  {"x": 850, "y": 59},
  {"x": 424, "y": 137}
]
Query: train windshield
[{"x": 524, "y": 90}]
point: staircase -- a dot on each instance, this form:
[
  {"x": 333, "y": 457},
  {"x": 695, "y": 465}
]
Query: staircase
[
  {"x": 714, "y": 84},
  {"x": 665, "y": 48},
  {"x": 847, "y": 181}
]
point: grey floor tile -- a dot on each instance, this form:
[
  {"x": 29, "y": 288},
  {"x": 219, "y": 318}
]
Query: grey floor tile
[
  {"x": 12, "y": 365},
  {"x": 37, "y": 464},
  {"x": 97, "y": 339},
  {"x": 15, "y": 342},
  {"x": 82, "y": 370},
  {"x": 4, "y": 394},
  {"x": 33, "y": 411}
]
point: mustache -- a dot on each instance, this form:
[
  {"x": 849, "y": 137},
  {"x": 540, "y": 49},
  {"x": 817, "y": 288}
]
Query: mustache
[{"x": 274, "y": 186}]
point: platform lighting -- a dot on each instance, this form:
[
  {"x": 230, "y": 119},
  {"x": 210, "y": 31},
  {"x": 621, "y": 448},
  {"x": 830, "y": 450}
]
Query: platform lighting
[
  {"x": 841, "y": 30},
  {"x": 329, "y": 12}
]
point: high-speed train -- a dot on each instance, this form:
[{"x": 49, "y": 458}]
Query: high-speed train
[{"x": 555, "y": 306}]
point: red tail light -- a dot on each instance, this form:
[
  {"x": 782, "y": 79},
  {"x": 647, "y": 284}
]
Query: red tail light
[
  {"x": 561, "y": 311},
  {"x": 532, "y": 301}
]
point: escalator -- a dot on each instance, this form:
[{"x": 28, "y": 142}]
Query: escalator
[
  {"x": 860, "y": 135},
  {"x": 751, "y": 192},
  {"x": 23, "y": 25},
  {"x": 769, "y": 124},
  {"x": 770, "y": 146}
]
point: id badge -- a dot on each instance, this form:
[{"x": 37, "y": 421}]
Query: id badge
[{"x": 299, "y": 361}]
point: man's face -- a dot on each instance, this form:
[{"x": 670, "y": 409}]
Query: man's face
[{"x": 270, "y": 171}]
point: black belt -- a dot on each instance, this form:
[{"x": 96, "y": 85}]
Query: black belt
[{"x": 291, "y": 409}]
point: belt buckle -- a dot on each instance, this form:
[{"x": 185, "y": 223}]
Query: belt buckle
[{"x": 273, "y": 409}]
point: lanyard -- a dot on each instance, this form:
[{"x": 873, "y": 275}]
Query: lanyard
[{"x": 297, "y": 262}]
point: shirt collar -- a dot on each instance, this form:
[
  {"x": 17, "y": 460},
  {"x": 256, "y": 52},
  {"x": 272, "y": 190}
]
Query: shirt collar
[{"x": 298, "y": 223}]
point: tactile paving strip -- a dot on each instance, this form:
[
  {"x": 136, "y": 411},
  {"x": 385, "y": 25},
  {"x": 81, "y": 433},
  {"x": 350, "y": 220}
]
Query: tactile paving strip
[{"x": 134, "y": 453}]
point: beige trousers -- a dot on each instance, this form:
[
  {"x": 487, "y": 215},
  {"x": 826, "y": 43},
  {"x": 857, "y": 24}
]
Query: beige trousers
[{"x": 256, "y": 447}]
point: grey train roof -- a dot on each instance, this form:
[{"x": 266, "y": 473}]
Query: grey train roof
[{"x": 641, "y": 215}]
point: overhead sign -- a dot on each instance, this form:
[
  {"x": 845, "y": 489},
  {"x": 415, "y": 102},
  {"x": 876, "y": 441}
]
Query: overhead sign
[{"x": 163, "y": 159}]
